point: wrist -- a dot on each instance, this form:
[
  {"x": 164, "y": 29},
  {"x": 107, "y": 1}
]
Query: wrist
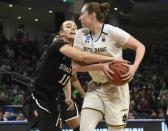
[
  {"x": 68, "y": 98},
  {"x": 101, "y": 66},
  {"x": 136, "y": 65}
]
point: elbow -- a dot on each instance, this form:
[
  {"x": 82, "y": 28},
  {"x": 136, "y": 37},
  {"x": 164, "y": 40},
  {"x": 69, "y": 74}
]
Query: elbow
[{"x": 143, "y": 48}]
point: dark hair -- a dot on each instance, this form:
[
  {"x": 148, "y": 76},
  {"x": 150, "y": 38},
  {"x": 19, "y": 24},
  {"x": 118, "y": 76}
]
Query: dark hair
[
  {"x": 61, "y": 27},
  {"x": 101, "y": 10}
]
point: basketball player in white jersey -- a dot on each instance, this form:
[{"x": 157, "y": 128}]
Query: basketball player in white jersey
[
  {"x": 49, "y": 80},
  {"x": 104, "y": 99}
]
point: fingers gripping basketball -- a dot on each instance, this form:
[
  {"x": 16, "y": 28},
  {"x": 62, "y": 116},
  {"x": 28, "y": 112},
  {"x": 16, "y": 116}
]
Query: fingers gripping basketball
[{"x": 119, "y": 68}]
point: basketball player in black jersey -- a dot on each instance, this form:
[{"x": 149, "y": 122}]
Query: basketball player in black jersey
[
  {"x": 51, "y": 76},
  {"x": 72, "y": 117}
]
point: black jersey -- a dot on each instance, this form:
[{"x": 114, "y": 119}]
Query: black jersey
[{"x": 52, "y": 72}]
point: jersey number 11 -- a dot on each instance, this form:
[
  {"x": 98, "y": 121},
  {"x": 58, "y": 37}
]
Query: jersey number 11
[{"x": 64, "y": 79}]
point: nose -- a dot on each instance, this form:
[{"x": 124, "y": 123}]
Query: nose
[{"x": 73, "y": 28}]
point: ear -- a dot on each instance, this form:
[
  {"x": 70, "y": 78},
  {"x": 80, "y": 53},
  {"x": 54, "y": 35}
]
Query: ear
[
  {"x": 61, "y": 33},
  {"x": 93, "y": 15}
]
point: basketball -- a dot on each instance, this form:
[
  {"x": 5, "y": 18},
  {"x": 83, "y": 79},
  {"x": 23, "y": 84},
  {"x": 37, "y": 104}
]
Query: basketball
[{"x": 119, "y": 69}]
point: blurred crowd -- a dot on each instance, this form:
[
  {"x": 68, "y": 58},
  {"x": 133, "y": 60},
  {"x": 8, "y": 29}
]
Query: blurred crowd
[{"x": 149, "y": 93}]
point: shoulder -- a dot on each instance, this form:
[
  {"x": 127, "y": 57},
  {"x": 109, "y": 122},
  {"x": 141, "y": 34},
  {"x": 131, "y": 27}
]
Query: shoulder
[
  {"x": 57, "y": 41},
  {"x": 110, "y": 28},
  {"x": 82, "y": 32},
  {"x": 56, "y": 44},
  {"x": 113, "y": 30}
]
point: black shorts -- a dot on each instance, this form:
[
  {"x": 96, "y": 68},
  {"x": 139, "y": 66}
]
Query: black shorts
[
  {"x": 42, "y": 115},
  {"x": 69, "y": 115}
]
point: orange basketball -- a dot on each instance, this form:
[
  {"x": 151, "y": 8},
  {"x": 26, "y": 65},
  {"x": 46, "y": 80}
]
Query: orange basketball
[{"x": 119, "y": 69}]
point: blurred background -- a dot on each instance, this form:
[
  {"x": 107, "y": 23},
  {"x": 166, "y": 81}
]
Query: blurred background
[{"x": 27, "y": 27}]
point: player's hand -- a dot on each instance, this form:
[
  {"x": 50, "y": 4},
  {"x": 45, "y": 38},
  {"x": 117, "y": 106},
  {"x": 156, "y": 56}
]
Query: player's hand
[
  {"x": 129, "y": 76},
  {"x": 121, "y": 60},
  {"x": 107, "y": 71},
  {"x": 70, "y": 104}
]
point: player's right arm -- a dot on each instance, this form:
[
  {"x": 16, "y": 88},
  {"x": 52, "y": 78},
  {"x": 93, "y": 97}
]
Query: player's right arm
[
  {"x": 82, "y": 67},
  {"x": 77, "y": 54},
  {"x": 82, "y": 56}
]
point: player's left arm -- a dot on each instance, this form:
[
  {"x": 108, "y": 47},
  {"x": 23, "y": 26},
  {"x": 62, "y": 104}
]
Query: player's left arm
[
  {"x": 76, "y": 83},
  {"x": 81, "y": 67},
  {"x": 67, "y": 92},
  {"x": 136, "y": 45}
]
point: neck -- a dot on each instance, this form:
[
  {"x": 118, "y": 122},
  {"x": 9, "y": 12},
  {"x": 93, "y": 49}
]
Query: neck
[
  {"x": 96, "y": 28},
  {"x": 70, "y": 41}
]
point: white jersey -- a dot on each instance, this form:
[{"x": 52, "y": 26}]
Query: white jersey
[{"x": 109, "y": 42}]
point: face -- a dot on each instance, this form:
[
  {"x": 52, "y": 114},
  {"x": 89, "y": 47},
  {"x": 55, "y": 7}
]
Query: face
[
  {"x": 69, "y": 29},
  {"x": 85, "y": 18}
]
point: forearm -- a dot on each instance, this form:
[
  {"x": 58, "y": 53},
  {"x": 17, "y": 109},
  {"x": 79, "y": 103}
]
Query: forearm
[
  {"x": 140, "y": 51},
  {"x": 90, "y": 58},
  {"x": 78, "y": 86},
  {"x": 83, "y": 56},
  {"x": 67, "y": 90},
  {"x": 76, "y": 83},
  {"x": 136, "y": 45},
  {"x": 80, "y": 67}
]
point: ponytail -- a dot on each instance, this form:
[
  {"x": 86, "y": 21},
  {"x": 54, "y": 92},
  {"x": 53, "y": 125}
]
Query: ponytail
[
  {"x": 105, "y": 8},
  {"x": 101, "y": 10}
]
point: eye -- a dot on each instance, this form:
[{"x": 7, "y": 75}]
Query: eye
[{"x": 68, "y": 26}]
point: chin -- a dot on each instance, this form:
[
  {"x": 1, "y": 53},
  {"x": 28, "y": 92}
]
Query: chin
[
  {"x": 83, "y": 26},
  {"x": 71, "y": 37}
]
